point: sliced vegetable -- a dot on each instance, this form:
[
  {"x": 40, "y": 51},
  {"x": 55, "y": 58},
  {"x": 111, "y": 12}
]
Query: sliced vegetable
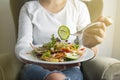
[
  {"x": 64, "y": 32},
  {"x": 70, "y": 56}
]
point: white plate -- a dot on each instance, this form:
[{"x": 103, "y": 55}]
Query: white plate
[{"x": 28, "y": 58}]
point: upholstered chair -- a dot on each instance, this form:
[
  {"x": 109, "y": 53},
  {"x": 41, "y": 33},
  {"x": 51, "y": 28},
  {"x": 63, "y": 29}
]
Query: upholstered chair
[{"x": 99, "y": 68}]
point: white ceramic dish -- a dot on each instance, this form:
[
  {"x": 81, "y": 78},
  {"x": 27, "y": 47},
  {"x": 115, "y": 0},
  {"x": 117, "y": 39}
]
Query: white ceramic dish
[{"x": 28, "y": 58}]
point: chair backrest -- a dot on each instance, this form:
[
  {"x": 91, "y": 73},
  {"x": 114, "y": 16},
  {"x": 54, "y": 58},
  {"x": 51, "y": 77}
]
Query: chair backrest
[
  {"x": 15, "y": 6},
  {"x": 95, "y": 8}
]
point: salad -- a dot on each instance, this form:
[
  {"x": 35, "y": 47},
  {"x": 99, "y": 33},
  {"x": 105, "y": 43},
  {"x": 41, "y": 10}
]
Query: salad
[{"x": 58, "y": 50}]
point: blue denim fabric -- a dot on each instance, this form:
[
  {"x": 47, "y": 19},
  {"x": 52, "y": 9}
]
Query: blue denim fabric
[{"x": 35, "y": 72}]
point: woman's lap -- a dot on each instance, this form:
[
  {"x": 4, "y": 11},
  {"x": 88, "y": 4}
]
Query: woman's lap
[{"x": 35, "y": 72}]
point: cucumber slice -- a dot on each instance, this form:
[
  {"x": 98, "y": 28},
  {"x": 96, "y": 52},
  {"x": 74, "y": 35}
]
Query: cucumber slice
[
  {"x": 64, "y": 32},
  {"x": 70, "y": 56}
]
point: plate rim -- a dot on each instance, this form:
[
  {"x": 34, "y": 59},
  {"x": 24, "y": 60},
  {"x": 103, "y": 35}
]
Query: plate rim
[{"x": 57, "y": 63}]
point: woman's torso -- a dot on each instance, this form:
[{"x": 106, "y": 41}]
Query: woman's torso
[{"x": 46, "y": 23}]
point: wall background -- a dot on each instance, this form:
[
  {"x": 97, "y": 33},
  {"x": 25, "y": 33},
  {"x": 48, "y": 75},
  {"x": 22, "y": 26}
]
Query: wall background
[
  {"x": 116, "y": 40},
  {"x": 6, "y": 28},
  {"x": 110, "y": 47},
  {"x": 105, "y": 49}
]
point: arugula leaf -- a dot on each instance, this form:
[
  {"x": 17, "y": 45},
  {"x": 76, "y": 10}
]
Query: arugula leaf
[
  {"x": 51, "y": 45},
  {"x": 53, "y": 41},
  {"x": 75, "y": 46}
]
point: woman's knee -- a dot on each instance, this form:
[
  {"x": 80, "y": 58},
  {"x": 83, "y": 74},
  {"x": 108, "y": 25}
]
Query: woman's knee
[
  {"x": 56, "y": 76},
  {"x": 33, "y": 72}
]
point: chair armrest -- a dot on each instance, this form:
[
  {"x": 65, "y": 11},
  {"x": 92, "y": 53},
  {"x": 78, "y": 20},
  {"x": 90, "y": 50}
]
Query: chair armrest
[
  {"x": 101, "y": 68},
  {"x": 9, "y": 67}
]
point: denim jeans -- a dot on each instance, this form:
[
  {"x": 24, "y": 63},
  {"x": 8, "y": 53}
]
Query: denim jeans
[{"x": 35, "y": 72}]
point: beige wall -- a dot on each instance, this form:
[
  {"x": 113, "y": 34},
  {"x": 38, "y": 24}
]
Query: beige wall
[
  {"x": 6, "y": 28},
  {"x": 111, "y": 45},
  {"x": 116, "y": 40},
  {"x": 105, "y": 49}
]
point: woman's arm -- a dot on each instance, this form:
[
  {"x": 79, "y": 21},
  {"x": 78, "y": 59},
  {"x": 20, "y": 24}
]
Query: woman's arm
[
  {"x": 95, "y": 50},
  {"x": 83, "y": 17},
  {"x": 25, "y": 31},
  {"x": 84, "y": 20}
]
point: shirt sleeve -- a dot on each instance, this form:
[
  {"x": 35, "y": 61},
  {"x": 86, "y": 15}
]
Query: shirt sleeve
[
  {"x": 25, "y": 30},
  {"x": 84, "y": 16}
]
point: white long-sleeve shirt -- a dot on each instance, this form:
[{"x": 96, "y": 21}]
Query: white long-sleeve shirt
[{"x": 36, "y": 24}]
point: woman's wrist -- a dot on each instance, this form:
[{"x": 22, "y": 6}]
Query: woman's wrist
[{"x": 95, "y": 50}]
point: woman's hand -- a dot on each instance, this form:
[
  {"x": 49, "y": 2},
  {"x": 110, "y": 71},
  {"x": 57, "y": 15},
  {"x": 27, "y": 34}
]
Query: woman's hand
[
  {"x": 94, "y": 34},
  {"x": 106, "y": 20}
]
